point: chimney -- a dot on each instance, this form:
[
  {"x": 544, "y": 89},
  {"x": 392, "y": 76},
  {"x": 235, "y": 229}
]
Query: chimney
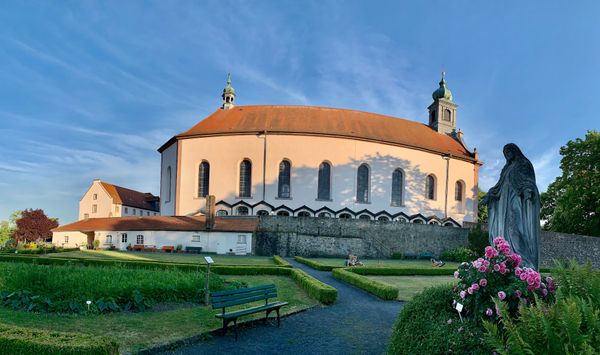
[{"x": 210, "y": 212}]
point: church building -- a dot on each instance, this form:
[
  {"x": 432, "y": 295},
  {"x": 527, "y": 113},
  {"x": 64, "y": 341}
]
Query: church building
[{"x": 312, "y": 161}]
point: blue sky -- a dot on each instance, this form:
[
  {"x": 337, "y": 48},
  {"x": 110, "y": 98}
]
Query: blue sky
[{"x": 92, "y": 89}]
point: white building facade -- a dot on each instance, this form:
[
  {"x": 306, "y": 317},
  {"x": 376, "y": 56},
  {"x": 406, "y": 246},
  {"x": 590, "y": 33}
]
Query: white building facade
[
  {"x": 107, "y": 200},
  {"x": 323, "y": 162}
]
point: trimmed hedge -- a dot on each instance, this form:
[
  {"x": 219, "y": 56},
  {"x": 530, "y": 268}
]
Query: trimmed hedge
[
  {"x": 429, "y": 325},
  {"x": 18, "y": 340},
  {"x": 319, "y": 290},
  {"x": 313, "y": 264},
  {"x": 279, "y": 261},
  {"x": 38, "y": 251},
  {"x": 379, "y": 289},
  {"x": 396, "y": 271}
]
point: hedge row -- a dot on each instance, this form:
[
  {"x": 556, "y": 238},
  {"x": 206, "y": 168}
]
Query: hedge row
[
  {"x": 379, "y": 289},
  {"x": 38, "y": 251},
  {"x": 321, "y": 291},
  {"x": 392, "y": 271},
  {"x": 281, "y": 261},
  {"x": 314, "y": 264},
  {"x": 17, "y": 340}
]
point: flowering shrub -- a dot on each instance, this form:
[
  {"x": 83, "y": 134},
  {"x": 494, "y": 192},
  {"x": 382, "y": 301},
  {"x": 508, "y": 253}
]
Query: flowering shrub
[{"x": 499, "y": 275}]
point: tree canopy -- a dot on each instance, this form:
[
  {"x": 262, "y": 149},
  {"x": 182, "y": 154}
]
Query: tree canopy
[
  {"x": 482, "y": 210},
  {"x": 7, "y": 228},
  {"x": 34, "y": 225},
  {"x": 572, "y": 202}
]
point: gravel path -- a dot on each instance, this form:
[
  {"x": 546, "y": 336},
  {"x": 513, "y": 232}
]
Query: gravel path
[{"x": 358, "y": 323}]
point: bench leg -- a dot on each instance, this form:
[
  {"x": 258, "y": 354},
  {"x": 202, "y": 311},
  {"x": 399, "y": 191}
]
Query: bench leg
[
  {"x": 277, "y": 310},
  {"x": 236, "y": 330},
  {"x": 225, "y": 323}
]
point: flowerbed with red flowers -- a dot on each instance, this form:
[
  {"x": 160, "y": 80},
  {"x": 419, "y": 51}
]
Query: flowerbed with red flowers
[{"x": 498, "y": 274}]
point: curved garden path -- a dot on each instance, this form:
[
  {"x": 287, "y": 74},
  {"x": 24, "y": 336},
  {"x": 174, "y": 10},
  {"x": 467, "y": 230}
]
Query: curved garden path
[{"x": 358, "y": 323}]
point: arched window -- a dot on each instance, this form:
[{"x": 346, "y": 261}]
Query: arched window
[
  {"x": 346, "y": 216},
  {"x": 245, "y": 178},
  {"x": 458, "y": 190},
  {"x": 364, "y": 217},
  {"x": 303, "y": 214},
  {"x": 434, "y": 222},
  {"x": 283, "y": 190},
  {"x": 401, "y": 220},
  {"x": 418, "y": 221},
  {"x": 283, "y": 213},
  {"x": 430, "y": 187},
  {"x": 324, "y": 215},
  {"x": 262, "y": 213},
  {"x": 169, "y": 182},
  {"x": 383, "y": 219},
  {"x": 362, "y": 184},
  {"x": 324, "y": 189},
  {"x": 222, "y": 213},
  {"x": 397, "y": 187},
  {"x": 447, "y": 115},
  {"x": 203, "y": 178},
  {"x": 242, "y": 211}
]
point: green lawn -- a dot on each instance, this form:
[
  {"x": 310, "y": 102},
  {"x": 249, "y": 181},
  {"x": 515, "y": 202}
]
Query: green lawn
[
  {"x": 396, "y": 263},
  {"x": 411, "y": 285},
  {"x": 164, "y": 257},
  {"x": 134, "y": 331}
]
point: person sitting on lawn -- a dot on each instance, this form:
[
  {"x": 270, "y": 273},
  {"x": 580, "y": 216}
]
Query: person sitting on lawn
[
  {"x": 437, "y": 263},
  {"x": 354, "y": 261}
]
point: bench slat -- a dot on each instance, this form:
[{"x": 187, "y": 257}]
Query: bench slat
[
  {"x": 241, "y": 290},
  {"x": 244, "y": 301},
  {"x": 236, "y": 314},
  {"x": 242, "y": 295}
]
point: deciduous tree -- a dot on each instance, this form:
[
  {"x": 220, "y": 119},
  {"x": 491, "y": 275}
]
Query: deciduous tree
[
  {"x": 34, "y": 225},
  {"x": 572, "y": 202}
]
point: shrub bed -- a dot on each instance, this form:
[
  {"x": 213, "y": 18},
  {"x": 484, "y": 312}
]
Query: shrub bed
[
  {"x": 395, "y": 271},
  {"x": 38, "y": 251},
  {"x": 17, "y": 340},
  {"x": 379, "y": 289},
  {"x": 460, "y": 254},
  {"x": 279, "y": 261},
  {"x": 319, "y": 290},
  {"x": 313, "y": 264},
  {"x": 67, "y": 289},
  {"x": 429, "y": 325}
]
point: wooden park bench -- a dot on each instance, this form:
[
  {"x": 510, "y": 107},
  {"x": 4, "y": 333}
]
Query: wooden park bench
[
  {"x": 196, "y": 250},
  {"x": 224, "y": 299},
  {"x": 168, "y": 248},
  {"x": 138, "y": 247},
  {"x": 151, "y": 248}
]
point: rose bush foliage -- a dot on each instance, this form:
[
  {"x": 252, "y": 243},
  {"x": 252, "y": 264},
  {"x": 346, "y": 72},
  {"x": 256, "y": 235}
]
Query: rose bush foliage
[{"x": 498, "y": 274}]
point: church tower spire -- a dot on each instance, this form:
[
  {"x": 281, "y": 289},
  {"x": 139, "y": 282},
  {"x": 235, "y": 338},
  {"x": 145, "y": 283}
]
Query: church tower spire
[
  {"x": 442, "y": 112},
  {"x": 228, "y": 95}
]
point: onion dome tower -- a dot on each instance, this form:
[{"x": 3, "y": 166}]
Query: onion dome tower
[{"x": 442, "y": 112}]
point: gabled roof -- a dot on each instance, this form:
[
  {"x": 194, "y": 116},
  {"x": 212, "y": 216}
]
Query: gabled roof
[
  {"x": 323, "y": 121},
  {"x": 132, "y": 198},
  {"x": 160, "y": 223}
]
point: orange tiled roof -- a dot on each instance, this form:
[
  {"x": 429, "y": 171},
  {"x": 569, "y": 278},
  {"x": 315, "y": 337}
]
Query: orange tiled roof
[
  {"x": 325, "y": 122},
  {"x": 132, "y": 198},
  {"x": 160, "y": 223}
]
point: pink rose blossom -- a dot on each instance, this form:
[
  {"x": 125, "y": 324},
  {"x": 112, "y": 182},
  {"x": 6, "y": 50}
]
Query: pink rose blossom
[
  {"x": 463, "y": 294},
  {"x": 501, "y": 295},
  {"x": 449, "y": 321},
  {"x": 489, "y": 312},
  {"x": 523, "y": 276},
  {"x": 518, "y": 293},
  {"x": 496, "y": 267},
  {"x": 483, "y": 282},
  {"x": 470, "y": 291},
  {"x": 475, "y": 287},
  {"x": 456, "y": 274},
  {"x": 544, "y": 292},
  {"x": 490, "y": 252},
  {"x": 482, "y": 269}
]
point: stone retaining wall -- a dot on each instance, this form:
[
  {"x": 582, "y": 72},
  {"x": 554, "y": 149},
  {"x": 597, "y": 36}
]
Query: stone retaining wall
[{"x": 335, "y": 237}]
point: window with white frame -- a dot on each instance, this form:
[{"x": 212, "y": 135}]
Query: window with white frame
[
  {"x": 139, "y": 239},
  {"x": 86, "y": 215},
  {"x": 196, "y": 238},
  {"x": 241, "y": 239},
  {"x": 133, "y": 211},
  {"x": 123, "y": 237},
  {"x": 108, "y": 239},
  {"x": 95, "y": 197},
  {"x": 126, "y": 210},
  {"x": 94, "y": 208},
  {"x": 66, "y": 239}
]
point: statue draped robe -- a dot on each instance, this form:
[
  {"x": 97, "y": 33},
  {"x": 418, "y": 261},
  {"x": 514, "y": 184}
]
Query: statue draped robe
[{"x": 512, "y": 215}]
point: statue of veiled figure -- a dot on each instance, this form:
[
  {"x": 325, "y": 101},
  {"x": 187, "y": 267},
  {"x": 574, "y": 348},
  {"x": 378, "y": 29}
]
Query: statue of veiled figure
[{"x": 514, "y": 207}]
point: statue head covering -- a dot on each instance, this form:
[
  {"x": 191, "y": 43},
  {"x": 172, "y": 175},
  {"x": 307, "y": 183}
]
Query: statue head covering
[{"x": 512, "y": 152}]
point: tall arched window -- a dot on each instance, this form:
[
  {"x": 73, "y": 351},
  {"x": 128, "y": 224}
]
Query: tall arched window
[
  {"x": 283, "y": 188},
  {"x": 430, "y": 187},
  {"x": 397, "y": 187},
  {"x": 324, "y": 189},
  {"x": 245, "y": 178},
  {"x": 169, "y": 182},
  {"x": 362, "y": 184},
  {"x": 203, "y": 179},
  {"x": 447, "y": 115},
  {"x": 458, "y": 190}
]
